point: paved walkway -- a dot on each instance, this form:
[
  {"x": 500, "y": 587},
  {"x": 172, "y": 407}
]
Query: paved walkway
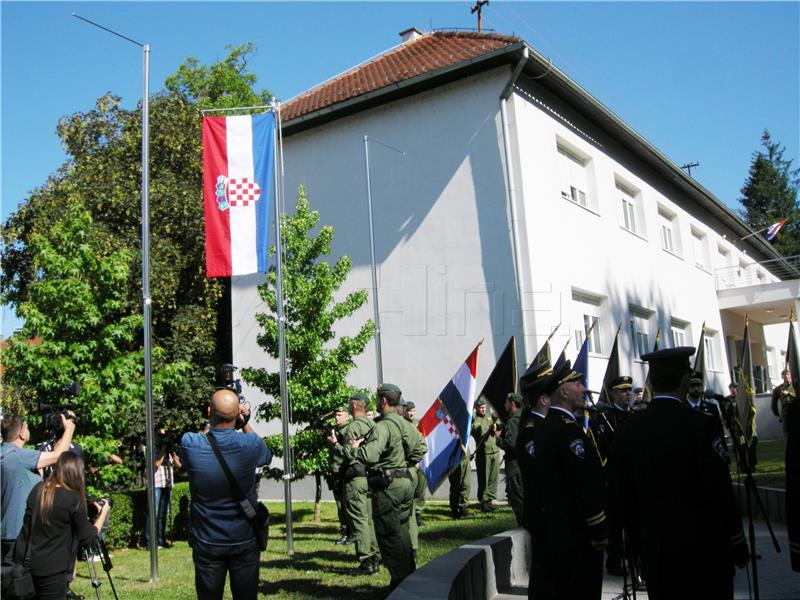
[{"x": 776, "y": 579}]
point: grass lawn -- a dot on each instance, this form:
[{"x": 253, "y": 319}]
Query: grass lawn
[
  {"x": 770, "y": 470},
  {"x": 318, "y": 568}
]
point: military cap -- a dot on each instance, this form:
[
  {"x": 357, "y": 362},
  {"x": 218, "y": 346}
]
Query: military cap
[
  {"x": 389, "y": 387},
  {"x": 637, "y": 390},
  {"x": 480, "y": 401},
  {"x": 359, "y": 396},
  {"x": 515, "y": 398},
  {"x": 410, "y": 405},
  {"x": 623, "y": 382},
  {"x": 561, "y": 375},
  {"x": 533, "y": 388},
  {"x": 732, "y": 385},
  {"x": 669, "y": 363},
  {"x": 696, "y": 377},
  {"x": 533, "y": 373},
  {"x": 341, "y": 409}
]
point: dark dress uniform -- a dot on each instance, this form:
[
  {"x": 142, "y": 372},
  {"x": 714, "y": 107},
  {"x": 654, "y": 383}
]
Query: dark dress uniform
[
  {"x": 675, "y": 477},
  {"x": 791, "y": 423},
  {"x": 570, "y": 483},
  {"x": 508, "y": 442}
]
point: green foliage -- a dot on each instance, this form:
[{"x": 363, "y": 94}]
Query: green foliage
[
  {"x": 99, "y": 342},
  {"x": 769, "y": 195},
  {"x": 317, "y": 361}
]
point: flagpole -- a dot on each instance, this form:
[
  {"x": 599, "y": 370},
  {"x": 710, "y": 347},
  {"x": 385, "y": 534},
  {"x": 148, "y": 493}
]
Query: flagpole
[
  {"x": 146, "y": 299},
  {"x": 287, "y": 463},
  {"x": 375, "y": 307}
]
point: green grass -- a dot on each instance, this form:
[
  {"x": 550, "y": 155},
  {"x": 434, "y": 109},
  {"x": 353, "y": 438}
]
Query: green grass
[
  {"x": 770, "y": 470},
  {"x": 317, "y": 570}
]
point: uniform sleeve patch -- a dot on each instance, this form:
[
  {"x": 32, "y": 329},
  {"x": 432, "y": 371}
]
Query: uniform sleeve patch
[
  {"x": 530, "y": 449},
  {"x": 577, "y": 448},
  {"x": 719, "y": 448}
]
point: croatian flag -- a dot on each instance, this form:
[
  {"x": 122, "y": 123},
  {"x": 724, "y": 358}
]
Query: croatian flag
[
  {"x": 773, "y": 230},
  {"x": 238, "y": 161},
  {"x": 447, "y": 424}
]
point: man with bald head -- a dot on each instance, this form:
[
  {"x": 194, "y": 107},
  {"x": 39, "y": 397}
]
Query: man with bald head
[{"x": 223, "y": 538}]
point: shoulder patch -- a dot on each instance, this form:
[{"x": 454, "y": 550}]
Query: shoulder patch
[
  {"x": 577, "y": 448},
  {"x": 719, "y": 447},
  {"x": 530, "y": 449}
]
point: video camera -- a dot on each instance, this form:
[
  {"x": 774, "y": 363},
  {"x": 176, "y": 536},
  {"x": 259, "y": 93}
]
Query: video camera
[
  {"x": 231, "y": 383},
  {"x": 52, "y": 413}
]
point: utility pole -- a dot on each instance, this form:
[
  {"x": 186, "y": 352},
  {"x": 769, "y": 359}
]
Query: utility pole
[
  {"x": 479, "y": 4},
  {"x": 688, "y": 167}
]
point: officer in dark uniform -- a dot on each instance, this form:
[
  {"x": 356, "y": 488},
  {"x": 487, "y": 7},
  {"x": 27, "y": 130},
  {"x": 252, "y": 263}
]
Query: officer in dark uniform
[
  {"x": 536, "y": 405},
  {"x": 507, "y": 440},
  {"x": 695, "y": 399},
  {"x": 570, "y": 480},
  {"x": 791, "y": 422},
  {"x": 609, "y": 418},
  {"x": 676, "y": 481}
]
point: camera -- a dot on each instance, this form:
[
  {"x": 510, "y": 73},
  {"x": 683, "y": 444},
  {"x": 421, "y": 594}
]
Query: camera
[
  {"x": 52, "y": 413},
  {"x": 93, "y": 506}
]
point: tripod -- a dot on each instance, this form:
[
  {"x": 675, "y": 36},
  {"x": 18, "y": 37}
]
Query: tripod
[{"x": 98, "y": 550}]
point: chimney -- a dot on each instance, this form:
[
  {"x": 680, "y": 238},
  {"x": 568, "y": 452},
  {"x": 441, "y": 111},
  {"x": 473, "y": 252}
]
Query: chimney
[{"x": 409, "y": 35}]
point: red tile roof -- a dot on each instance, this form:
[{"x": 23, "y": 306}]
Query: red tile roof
[{"x": 426, "y": 54}]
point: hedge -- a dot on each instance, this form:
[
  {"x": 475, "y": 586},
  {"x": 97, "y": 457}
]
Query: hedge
[{"x": 128, "y": 517}]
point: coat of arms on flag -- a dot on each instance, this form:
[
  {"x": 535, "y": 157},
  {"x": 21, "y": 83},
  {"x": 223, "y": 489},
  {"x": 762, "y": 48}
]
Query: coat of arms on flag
[{"x": 236, "y": 192}]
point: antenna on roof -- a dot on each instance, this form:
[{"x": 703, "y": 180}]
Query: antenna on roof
[
  {"x": 688, "y": 167},
  {"x": 479, "y": 4}
]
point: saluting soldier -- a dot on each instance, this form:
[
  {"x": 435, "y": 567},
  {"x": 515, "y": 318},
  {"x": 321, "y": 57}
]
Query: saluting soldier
[
  {"x": 357, "y": 502},
  {"x": 537, "y": 403},
  {"x": 336, "y": 480},
  {"x": 487, "y": 454},
  {"x": 571, "y": 486},
  {"x": 414, "y": 448},
  {"x": 381, "y": 450},
  {"x": 507, "y": 440},
  {"x": 609, "y": 418},
  {"x": 676, "y": 481}
]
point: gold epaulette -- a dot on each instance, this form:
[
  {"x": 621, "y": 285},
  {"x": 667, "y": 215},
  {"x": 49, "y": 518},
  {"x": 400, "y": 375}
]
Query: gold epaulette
[{"x": 596, "y": 519}]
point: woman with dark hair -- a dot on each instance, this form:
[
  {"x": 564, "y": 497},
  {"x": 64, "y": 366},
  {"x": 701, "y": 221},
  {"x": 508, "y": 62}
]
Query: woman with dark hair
[{"x": 56, "y": 511}]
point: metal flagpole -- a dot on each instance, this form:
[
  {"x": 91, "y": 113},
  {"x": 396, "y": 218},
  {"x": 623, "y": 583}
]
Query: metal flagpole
[
  {"x": 287, "y": 463},
  {"x": 376, "y": 308},
  {"x": 146, "y": 299}
]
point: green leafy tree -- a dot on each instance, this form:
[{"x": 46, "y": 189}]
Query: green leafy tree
[
  {"x": 769, "y": 195},
  {"x": 317, "y": 360},
  {"x": 103, "y": 172}
]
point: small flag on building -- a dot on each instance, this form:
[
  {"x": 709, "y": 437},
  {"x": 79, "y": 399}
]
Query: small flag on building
[
  {"x": 773, "y": 229},
  {"x": 448, "y": 423},
  {"x": 238, "y": 158}
]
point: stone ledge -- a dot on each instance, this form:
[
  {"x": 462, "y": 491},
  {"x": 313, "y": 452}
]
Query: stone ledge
[
  {"x": 773, "y": 499},
  {"x": 471, "y": 572}
]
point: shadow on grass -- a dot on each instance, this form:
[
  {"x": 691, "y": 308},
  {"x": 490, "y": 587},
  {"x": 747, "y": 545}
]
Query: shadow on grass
[{"x": 306, "y": 588}]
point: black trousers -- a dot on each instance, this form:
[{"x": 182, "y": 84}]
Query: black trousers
[
  {"x": 51, "y": 587},
  {"x": 577, "y": 575}
]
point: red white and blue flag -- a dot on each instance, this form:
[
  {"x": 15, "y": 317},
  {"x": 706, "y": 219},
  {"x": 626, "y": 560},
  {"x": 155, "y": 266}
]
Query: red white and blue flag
[
  {"x": 448, "y": 423},
  {"x": 238, "y": 157},
  {"x": 773, "y": 229}
]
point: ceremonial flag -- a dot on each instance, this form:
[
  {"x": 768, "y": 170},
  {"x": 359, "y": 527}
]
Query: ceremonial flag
[
  {"x": 773, "y": 229},
  {"x": 582, "y": 366},
  {"x": 745, "y": 394},
  {"x": 542, "y": 357},
  {"x": 502, "y": 380},
  {"x": 792, "y": 463},
  {"x": 612, "y": 372},
  {"x": 448, "y": 423},
  {"x": 647, "y": 392},
  {"x": 700, "y": 355},
  {"x": 238, "y": 157},
  {"x": 562, "y": 358}
]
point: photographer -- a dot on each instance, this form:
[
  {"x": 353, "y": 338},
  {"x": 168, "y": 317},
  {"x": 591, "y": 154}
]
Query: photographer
[
  {"x": 165, "y": 462},
  {"x": 18, "y": 470},
  {"x": 223, "y": 539}
]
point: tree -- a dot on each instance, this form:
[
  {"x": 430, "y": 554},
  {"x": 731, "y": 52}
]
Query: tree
[
  {"x": 769, "y": 195},
  {"x": 317, "y": 362},
  {"x": 102, "y": 173}
]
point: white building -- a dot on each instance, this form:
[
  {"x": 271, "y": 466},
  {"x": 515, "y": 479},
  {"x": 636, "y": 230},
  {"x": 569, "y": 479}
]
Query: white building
[{"x": 521, "y": 204}]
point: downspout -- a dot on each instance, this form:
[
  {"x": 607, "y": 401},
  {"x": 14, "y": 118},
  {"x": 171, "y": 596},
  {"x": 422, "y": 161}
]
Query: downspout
[{"x": 512, "y": 200}]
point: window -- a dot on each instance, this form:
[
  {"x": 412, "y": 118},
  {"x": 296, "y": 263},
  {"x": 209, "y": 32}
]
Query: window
[
  {"x": 667, "y": 228},
  {"x": 587, "y": 319},
  {"x": 710, "y": 342},
  {"x": 640, "y": 331},
  {"x": 700, "y": 248},
  {"x": 632, "y": 213},
  {"x": 679, "y": 332},
  {"x": 574, "y": 175}
]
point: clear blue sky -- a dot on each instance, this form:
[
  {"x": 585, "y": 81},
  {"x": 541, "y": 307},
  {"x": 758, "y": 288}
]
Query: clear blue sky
[{"x": 698, "y": 80}]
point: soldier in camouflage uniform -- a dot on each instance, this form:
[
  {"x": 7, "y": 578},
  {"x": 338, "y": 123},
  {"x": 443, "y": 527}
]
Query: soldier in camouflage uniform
[
  {"x": 414, "y": 448},
  {"x": 459, "y": 489},
  {"x": 357, "y": 502},
  {"x": 487, "y": 455},
  {"x": 335, "y": 480},
  {"x": 422, "y": 482},
  {"x": 381, "y": 450},
  {"x": 507, "y": 440}
]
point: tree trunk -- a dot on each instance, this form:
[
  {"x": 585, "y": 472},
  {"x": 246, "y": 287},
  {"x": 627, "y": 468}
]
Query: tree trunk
[{"x": 317, "y": 497}]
